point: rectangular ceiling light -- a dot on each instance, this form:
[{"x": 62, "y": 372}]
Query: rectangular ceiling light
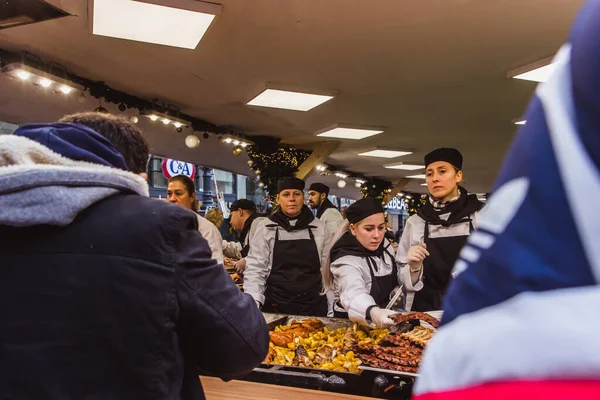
[
  {"x": 288, "y": 100},
  {"x": 385, "y": 153},
  {"x": 406, "y": 167},
  {"x": 177, "y": 23},
  {"x": 417, "y": 176},
  {"x": 349, "y": 132},
  {"x": 539, "y": 71}
]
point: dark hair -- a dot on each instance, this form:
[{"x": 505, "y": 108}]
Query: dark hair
[
  {"x": 190, "y": 187},
  {"x": 124, "y": 136}
]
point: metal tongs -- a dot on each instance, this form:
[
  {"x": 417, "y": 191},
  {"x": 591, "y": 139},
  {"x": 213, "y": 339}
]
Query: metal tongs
[{"x": 395, "y": 298}]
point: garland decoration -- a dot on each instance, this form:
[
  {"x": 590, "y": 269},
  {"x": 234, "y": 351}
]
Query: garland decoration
[
  {"x": 272, "y": 162},
  {"x": 377, "y": 188}
]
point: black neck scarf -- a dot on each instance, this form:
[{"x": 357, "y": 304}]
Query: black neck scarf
[
  {"x": 303, "y": 219},
  {"x": 459, "y": 210},
  {"x": 325, "y": 205},
  {"x": 348, "y": 245},
  {"x": 246, "y": 228}
]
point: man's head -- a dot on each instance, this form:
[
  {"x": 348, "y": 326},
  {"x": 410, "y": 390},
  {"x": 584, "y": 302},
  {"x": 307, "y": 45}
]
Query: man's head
[
  {"x": 124, "y": 136},
  {"x": 241, "y": 210},
  {"x": 317, "y": 193}
]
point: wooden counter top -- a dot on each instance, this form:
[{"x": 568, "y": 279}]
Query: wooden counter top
[{"x": 216, "y": 389}]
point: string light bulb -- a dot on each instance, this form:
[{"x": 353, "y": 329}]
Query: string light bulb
[{"x": 23, "y": 75}]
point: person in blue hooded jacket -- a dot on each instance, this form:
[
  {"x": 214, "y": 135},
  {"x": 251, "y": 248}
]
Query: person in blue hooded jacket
[{"x": 106, "y": 293}]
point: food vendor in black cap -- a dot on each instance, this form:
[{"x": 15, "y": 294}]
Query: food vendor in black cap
[
  {"x": 283, "y": 267},
  {"x": 326, "y": 211},
  {"x": 362, "y": 271},
  {"x": 243, "y": 218},
  {"x": 433, "y": 238}
]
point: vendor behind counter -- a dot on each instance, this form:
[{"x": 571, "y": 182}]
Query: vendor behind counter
[{"x": 283, "y": 267}]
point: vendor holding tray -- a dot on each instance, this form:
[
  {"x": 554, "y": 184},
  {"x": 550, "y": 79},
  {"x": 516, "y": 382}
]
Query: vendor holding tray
[
  {"x": 283, "y": 267},
  {"x": 363, "y": 271},
  {"x": 433, "y": 238}
]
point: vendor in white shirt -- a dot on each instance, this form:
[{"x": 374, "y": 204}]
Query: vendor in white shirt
[
  {"x": 433, "y": 238},
  {"x": 242, "y": 217},
  {"x": 326, "y": 211},
  {"x": 362, "y": 269},
  {"x": 283, "y": 267}
]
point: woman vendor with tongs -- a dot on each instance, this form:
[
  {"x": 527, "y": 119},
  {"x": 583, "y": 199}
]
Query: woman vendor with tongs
[
  {"x": 433, "y": 238},
  {"x": 362, "y": 270}
]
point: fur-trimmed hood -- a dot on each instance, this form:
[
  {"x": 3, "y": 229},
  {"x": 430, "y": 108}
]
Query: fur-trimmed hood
[{"x": 40, "y": 187}]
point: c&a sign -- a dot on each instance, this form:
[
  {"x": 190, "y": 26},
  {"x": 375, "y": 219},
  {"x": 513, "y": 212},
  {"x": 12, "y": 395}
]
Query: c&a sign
[{"x": 172, "y": 167}]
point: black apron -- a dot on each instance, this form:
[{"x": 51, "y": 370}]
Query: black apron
[
  {"x": 381, "y": 286},
  {"x": 437, "y": 268},
  {"x": 295, "y": 282}
]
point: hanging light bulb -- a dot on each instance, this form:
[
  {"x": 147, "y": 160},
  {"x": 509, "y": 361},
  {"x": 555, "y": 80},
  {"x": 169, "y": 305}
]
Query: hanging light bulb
[
  {"x": 357, "y": 184},
  {"x": 166, "y": 121},
  {"x": 228, "y": 140},
  {"x": 261, "y": 185},
  {"x": 134, "y": 119},
  {"x": 177, "y": 124},
  {"x": 257, "y": 172},
  {"x": 236, "y": 142},
  {"x": 341, "y": 183},
  {"x": 153, "y": 118},
  {"x": 244, "y": 144},
  {"x": 101, "y": 110},
  {"x": 250, "y": 162},
  {"x": 237, "y": 150},
  {"x": 192, "y": 141}
]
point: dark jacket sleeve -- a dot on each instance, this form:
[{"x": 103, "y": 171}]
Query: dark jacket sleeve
[{"x": 221, "y": 330}]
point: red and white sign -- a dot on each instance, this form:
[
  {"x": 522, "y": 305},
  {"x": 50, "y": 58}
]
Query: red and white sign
[{"x": 172, "y": 168}]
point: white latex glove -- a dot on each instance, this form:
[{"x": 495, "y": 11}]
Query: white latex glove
[
  {"x": 381, "y": 317},
  {"x": 416, "y": 255},
  {"x": 240, "y": 266}
]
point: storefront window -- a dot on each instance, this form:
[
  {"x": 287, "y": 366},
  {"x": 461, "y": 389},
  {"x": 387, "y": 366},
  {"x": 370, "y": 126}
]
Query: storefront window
[
  {"x": 225, "y": 182},
  {"x": 159, "y": 180}
]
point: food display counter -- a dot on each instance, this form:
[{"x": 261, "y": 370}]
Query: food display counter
[{"x": 363, "y": 361}]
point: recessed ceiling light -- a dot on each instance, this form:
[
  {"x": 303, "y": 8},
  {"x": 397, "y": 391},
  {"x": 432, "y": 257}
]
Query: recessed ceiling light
[
  {"x": 520, "y": 122},
  {"x": 288, "y": 100},
  {"x": 385, "y": 153},
  {"x": 348, "y": 132},
  {"x": 417, "y": 176},
  {"x": 145, "y": 21},
  {"x": 539, "y": 71},
  {"x": 406, "y": 167}
]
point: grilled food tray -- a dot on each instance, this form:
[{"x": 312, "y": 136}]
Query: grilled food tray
[{"x": 274, "y": 320}]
